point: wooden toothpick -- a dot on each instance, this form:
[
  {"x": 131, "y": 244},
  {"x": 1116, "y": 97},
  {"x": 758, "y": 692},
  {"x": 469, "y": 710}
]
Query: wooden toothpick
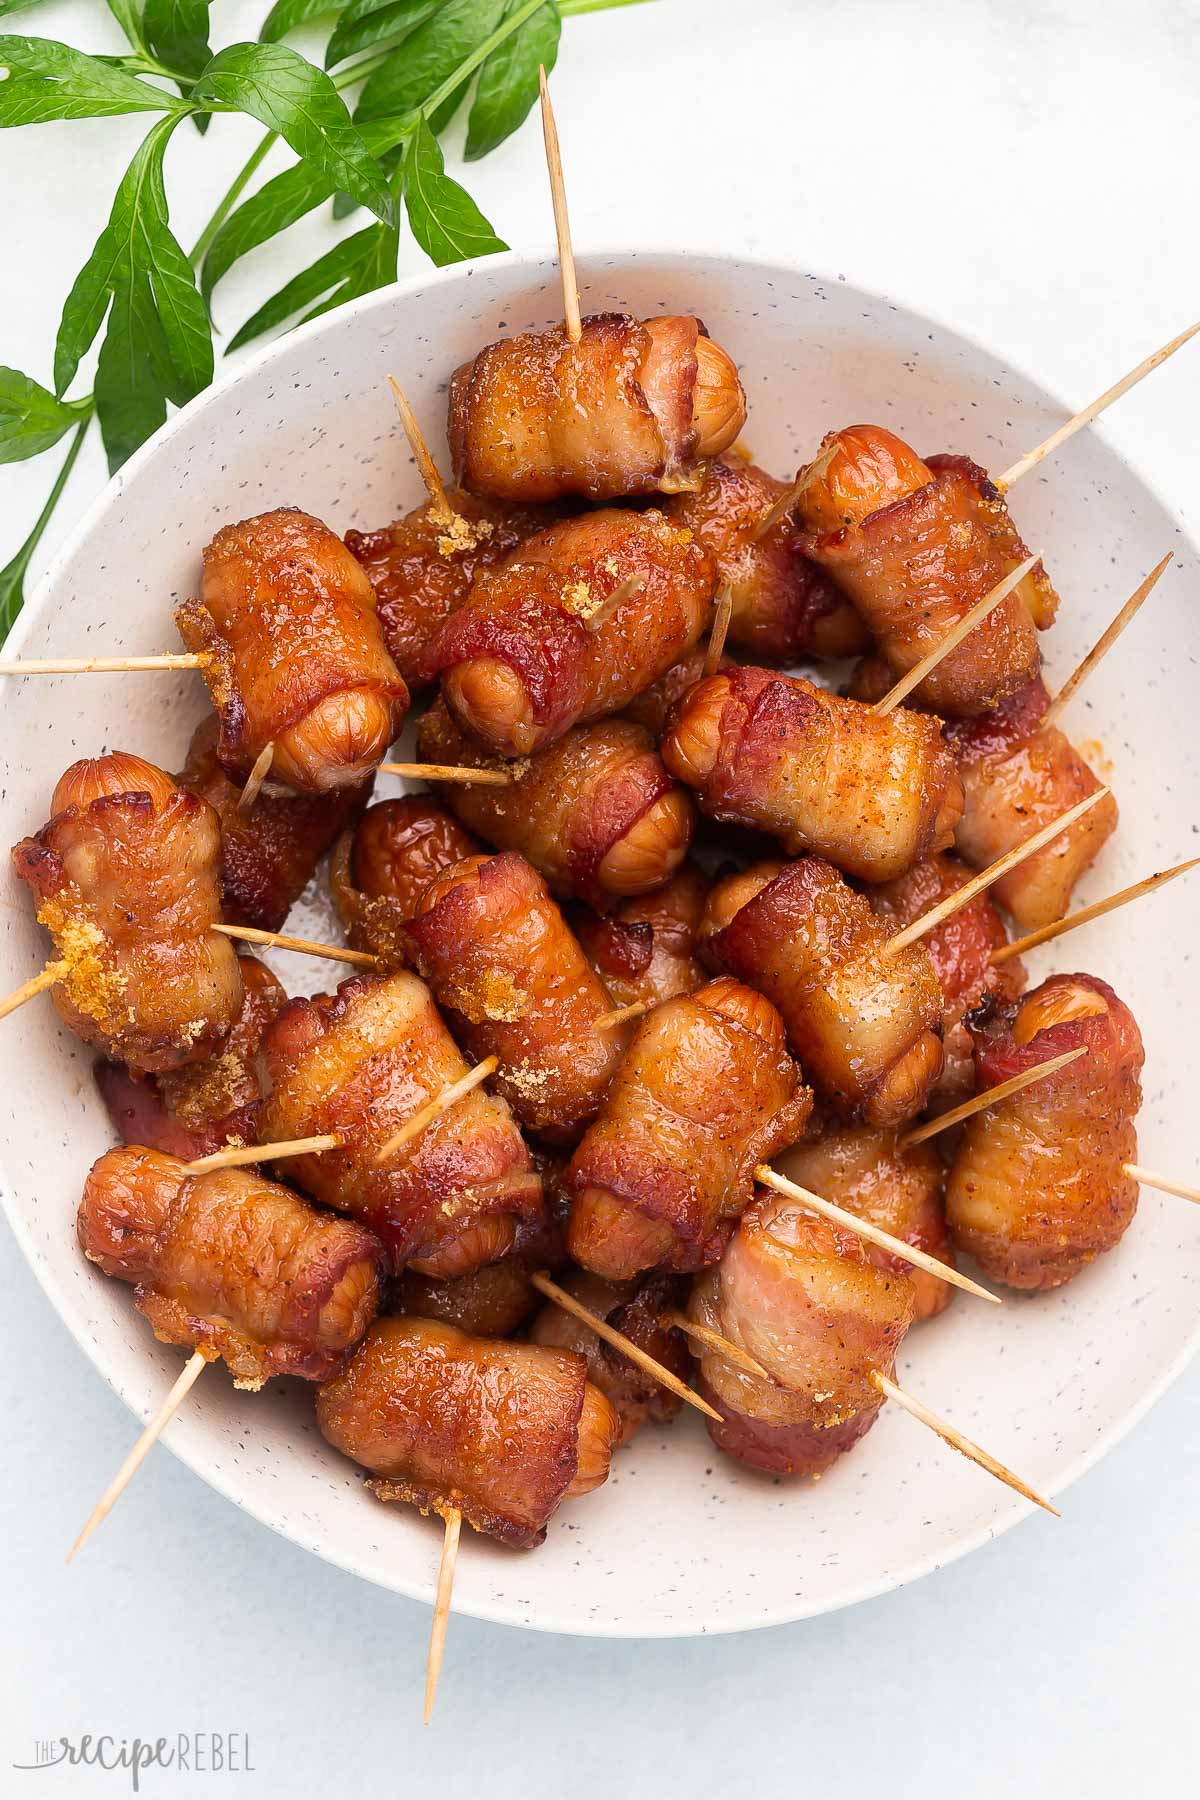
[
  {"x": 441, "y": 1607},
  {"x": 989, "y": 1097},
  {"x": 714, "y": 1341},
  {"x": 448, "y": 772},
  {"x": 872, "y": 1233},
  {"x": 1149, "y": 1179},
  {"x": 722, "y": 614},
  {"x": 633, "y": 584},
  {"x": 258, "y": 774},
  {"x": 963, "y": 896},
  {"x": 37, "y": 984},
  {"x": 1045, "y": 934},
  {"x": 634, "y": 1010},
  {"x": 542, "y": 1282},
  {"x": 949, "y": 1434},
  {"x": 1056, "y": 438},
  {"x": 1103, "y": 644},
  {"x": 952, "y": 639},
  {"x": 439, "y": 1104},
  {"x": 434, "y": 485},
  {"x": 789, "y": 497},
  {"x": 150, "y": 1436},
  {"x": 562, "y": 224},
  {"x": 239, "y": 1156},
  {"x": 103, "y": 665},
  {"x": 280, "y": 940}
]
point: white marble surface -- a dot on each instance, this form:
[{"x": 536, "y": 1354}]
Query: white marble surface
[{"x": 1029, "y": 174}]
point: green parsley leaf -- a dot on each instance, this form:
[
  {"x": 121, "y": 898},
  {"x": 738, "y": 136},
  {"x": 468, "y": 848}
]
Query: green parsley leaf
[
  {"x": 31, "y": 417},
  {"x": 508, "y": 80},
  {"x": 47, "y": 80},
  {"x": 445, "y": 220}
]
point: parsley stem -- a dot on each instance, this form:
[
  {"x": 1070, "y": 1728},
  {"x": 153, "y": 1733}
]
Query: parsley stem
[
  {"x": 14, "y": 575},
  {"x": 231, "y": 195}
]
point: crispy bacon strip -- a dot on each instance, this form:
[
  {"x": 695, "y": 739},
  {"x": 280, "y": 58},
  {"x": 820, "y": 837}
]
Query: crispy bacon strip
[
  {"x": 518, "y": 664},
  {"x": 939, "y": 540},
  {"x": 379, "y": 872},
  {"x": 358, "y": 1064},
  {"x": 298, "y": 660},
  {"x": 501, "y": 1432},
  {"x": 801, "y": 1296},
  {"x": 629, "y": 409},
  {"x": 821, "y": 773},
  {"x": 192, "y": 1111},
  {"x": 645, "y": 950},
  {"x": 270, "y": 849},
  {"x": 1038, "y": 1187},
  {"x": 865, "y": 1025},
  {"x": 784, "y": 607},
  {"x": 634, "y": 1308},
  {"x": 596, "y": 813},
  {"x": 1018, "y": 775},
  {"x": 232, "y": 1263},
  {"x": 869, "y": 1174},
  {"x": 960, "y": 950},
  {"x": 706, "y": 1091},
  {"x": 422, "y": 566},
  {"x": 514, "y": 983},
  {"x": 126, "y": 878}
]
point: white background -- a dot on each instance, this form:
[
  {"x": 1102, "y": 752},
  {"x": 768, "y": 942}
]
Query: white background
[{"x": 1028, "y": 173}]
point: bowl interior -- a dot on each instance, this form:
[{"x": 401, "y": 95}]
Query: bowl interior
[{"x": 679, "y": 1540}]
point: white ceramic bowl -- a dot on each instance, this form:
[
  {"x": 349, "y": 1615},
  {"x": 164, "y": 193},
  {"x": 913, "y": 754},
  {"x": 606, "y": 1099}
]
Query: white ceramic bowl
[{"x": 679, "y": 1541}]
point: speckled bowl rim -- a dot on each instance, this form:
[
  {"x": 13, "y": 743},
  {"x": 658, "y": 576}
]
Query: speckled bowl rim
[{"x": 566, "y": 1624}]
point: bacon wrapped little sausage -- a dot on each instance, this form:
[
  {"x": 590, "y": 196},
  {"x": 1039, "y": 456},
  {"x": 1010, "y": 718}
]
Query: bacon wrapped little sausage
[
  {"x": 596, "y": 813},
  {"x": 1018, "y": 775},
  {"x": 870, "y": 1174},
  {"x": 1038, "y": 1188},
  {"x": 865, "y": 1025},
  {"x": 519, "y": 666},
  {"x": 192, "y": 1111},
  {"x": 653, "y": 707},
  {"x": 706, "y": 1091},
  {"x": 502, "y": 1433},
  {"x": 515, "y": 984},
  {"x": 960, "y": 950},
  {"x": 645, "y": 950},
  {"x": 634, "y": 1308},
  {"x": 232, "y": 1264},
  {"x": 915, "y": 545},
  {"x": 297, "y": 659},
  {"x": 126, "y": 876},
  {"x": 496, "y": 1300},
  {"x": 821, "y": 773},
  {"x": 379, "y": 872},
  {"x": 270, "y": 849},
  {"x": 629, "y": 409},
  {"x": 784, "y": 607},
  {"x": 359, "y": 1064},
  {"x": 800, "y": 1296},
  {"x": 422, "y": 567}
]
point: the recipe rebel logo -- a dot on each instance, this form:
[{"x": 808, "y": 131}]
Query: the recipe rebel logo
[{"x": 188, "y": 1752}]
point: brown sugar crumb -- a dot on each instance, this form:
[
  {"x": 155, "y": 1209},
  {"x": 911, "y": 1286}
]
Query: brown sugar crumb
[
  {"x": 92, "y": 986},
  {"x": 207, "y": 1091},
  {"x": 458, "y": 534},
  {"x": 494, "y": 996},
  {"x": 578, "y": 599}
]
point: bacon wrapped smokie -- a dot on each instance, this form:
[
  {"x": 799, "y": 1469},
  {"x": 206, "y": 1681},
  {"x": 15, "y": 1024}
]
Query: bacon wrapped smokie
[
  {"x": 519, "y": 664},
  {"x": 645, "y": 950},
  {"x": 865, "y": 1025},
  {"x": 960, "y": 950},
  {"x": 1018, "y": 775},
  {"x": 502, "y": 1433},
  {"x": 127, "y": 879},
  {"x": 496, "y": 1300},
  {"x": 596, "y": 813},
  {"x": 800, "y": 1296},
  {"x": 784, "y": 606},
  {"x": 297, "y": 659},
  {"x": 821, "y": 773},
  {"x": 359, "y": 1064},
  {"x": 1038, "y": 1188},
  {"x": 232, "y": 1264},
  {"x": 870, "y": 1174},
  {"x": 632, "y": 408},
  {"x": 422, "y": 566},
  {"x": 915, "y": 545},
  {"x": 706, "y": 1091},
  {"x": 270, "y": 849},
  {"x": 514, "y": 983},
  {"x": 636, "y": 1309},
  {"x": 379, "y": 871},
  {"x": 192, "y": 1111}
]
